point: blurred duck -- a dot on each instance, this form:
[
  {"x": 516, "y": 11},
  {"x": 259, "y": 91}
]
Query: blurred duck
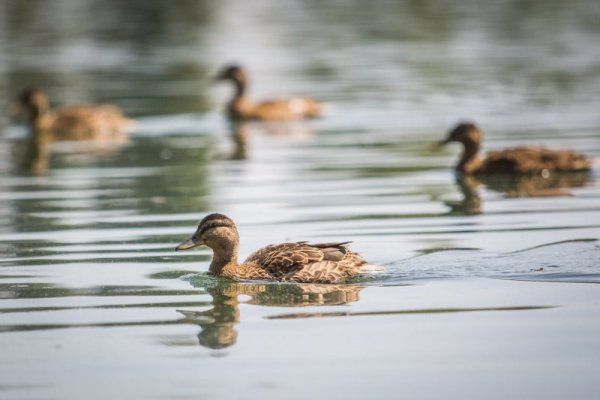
[
  {"x": 85, "y": 122},
  {"x": 239, "y": 107},
  {"x": 519, "y": 160},
  {"x": 294, "y": 262}
]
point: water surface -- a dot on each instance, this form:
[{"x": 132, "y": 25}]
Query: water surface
[{"x": 490, "y": 288}]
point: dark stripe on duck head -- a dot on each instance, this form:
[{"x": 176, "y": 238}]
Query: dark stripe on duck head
[
  {"x": 215, "y": 216},
  {"x": 214, "y": 221}
]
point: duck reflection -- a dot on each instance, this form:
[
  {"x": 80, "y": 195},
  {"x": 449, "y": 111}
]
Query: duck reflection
[
  {"x": 242, "y": 131},
  {"x": 512, "y": 186},
  {"x": 218, "y": 323},
  {"x": 555, "y": 184},
  {"x": 470, "y": 204},
  {"x": 33, "y": 155}
]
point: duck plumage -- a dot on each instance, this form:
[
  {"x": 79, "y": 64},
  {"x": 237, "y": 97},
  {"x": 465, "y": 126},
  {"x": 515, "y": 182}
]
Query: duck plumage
[
  {"x": 521, "y": 160},
  {"x": 292, "y": 261}
]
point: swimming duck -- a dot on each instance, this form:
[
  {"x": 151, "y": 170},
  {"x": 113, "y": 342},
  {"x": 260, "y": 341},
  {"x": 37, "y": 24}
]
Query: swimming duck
[
  {"x": 519, "y": 160},
  {"x": 272, "y": 110},
  {"x": 85, "y": 122},
  {"x": 294, "y": 261}
]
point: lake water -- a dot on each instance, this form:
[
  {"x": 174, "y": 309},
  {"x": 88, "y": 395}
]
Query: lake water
[{"x": 490, "y": 288}]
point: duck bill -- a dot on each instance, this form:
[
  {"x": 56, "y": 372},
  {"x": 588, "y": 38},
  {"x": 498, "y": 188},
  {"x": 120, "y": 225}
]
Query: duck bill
[
  {"x": 444, "y": 142},
  {"x": 438, "y": 145},
  {"x": 188, "y": 244}
]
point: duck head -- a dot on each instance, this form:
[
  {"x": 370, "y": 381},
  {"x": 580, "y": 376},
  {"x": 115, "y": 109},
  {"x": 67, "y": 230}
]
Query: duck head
[
  {"x": 470, "y": 136},
  {"x": 466, "y": 133},
  {"x": 216, "y": 231},
  {"x": 232, "y": 72},
  {"x": 34, "y": 102}
]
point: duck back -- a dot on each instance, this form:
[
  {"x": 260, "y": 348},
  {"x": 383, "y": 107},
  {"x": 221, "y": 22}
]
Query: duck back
[
  {"x": 523, "y": 160},
  {"x": 103, "y": 122},
  {"x": 304, "y": 262},
  {"x": 276, "y": 110}
]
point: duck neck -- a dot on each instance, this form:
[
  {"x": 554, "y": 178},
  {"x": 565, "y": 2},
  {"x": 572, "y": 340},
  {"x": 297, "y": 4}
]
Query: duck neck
[
  {"x": 469, "y": 161},
  {"x": 240, "y": 88},
  {"x": 239, "y": 107},
  {"x": 224, "y": 255},
  {"x": 36, "y": 111}
]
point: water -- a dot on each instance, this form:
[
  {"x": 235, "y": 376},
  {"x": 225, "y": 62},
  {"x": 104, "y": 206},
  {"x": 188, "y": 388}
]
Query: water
[{"x": 490, "y": 287}]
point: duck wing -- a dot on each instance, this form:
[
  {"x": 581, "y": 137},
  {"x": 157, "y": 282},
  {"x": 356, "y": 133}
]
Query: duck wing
[
  {"x": 87, "y": 121},
  {"x": 282, "y": 259},
  {"x": 534, "y": 159},
  {"x": 296, "y": 107}
]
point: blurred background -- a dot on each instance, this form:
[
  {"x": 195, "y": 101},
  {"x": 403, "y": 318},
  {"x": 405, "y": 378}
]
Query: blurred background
[
  {"x": 497, "y": 63},
  {"x": 90, "y": 285}
]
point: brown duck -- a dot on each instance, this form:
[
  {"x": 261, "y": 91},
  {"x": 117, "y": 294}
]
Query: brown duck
[
  {"x": 295, "y": 262},
  {"x": 518, "y": 160},
  {"x": 240, "y": 108},
  {"x": 84, "y": 122}
]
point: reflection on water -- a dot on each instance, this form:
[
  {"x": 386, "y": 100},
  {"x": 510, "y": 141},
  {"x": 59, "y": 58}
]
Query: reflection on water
[
  {"x": 240, "y": 135},
  {"x": 535, "y": 185},
  {"x": 218, "y": 323},
  {"x": 470, "y": 204},
  {"x": 33, "y": 154},
  {"x": 556, "y": 184}
]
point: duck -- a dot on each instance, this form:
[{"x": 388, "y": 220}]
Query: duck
[
  {"x": 240, "y": 108},
  {"x": 82, "y": 122},
  {"x": 290, "y": 262},
  {"x": 518, "y": 160}
]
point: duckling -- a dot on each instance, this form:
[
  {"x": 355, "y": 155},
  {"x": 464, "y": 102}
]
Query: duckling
[
  {"x": 273, "y": 110},
  {"x": 295, "y": 261},
  {"x": 85, "y": 122},
  {"x": 519, "y": 160}
]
